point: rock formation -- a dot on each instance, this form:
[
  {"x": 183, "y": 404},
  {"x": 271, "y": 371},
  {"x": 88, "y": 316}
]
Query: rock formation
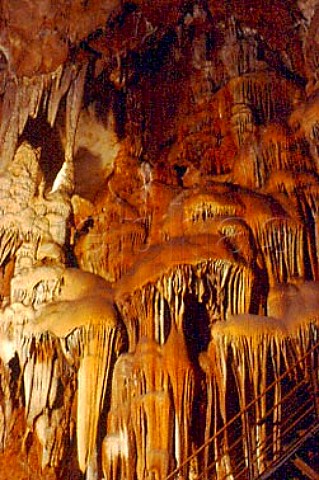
[{"x": 159, "y": 231}]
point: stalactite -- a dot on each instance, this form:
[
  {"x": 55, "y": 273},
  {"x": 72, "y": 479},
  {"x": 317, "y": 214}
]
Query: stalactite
[
  {"x": 111, "y": 245},
  {"x": 223, "y": 287},
  {"x": 9, "y": 124},
  {"x": 38, "y": 379},
  {"x": 64, "y": 182},
  {"x": 239, "y": 55},
  {"x": 268, "y": 94},
  {"x": 73, "y": 106},
  {"x": 89, "y": 344},
  {"x": 308, "y": 196},
  {"x": 282, "y": 242},
  {"x": 245, "y": 343},
  {"x": 218, "y": 380},
  {"x": 61, "y": 80},
  {"x": 6, "y": 406}
]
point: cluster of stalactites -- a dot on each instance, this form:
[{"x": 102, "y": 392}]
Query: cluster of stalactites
[
  {"x": 63, "y": 377},
  {"x": 281, "y": 243},
  {"x": 152, "y": 382},
  {"x": 110, "y": 252},
  {"x": 224, "y": 288},
  {"x": 23, "y": 98},
  {"x": 44, "y": 387},
  {"x": 150, "y": 415},
  {"x": 244, "y": 357},
  {"x": 240, "y": 53},
  {"x": 266, "y": 93},
  {"x": 65, "y": 345}
]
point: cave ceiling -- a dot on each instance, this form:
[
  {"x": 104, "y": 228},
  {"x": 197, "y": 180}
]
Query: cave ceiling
[{"x": 159, "y": 232}]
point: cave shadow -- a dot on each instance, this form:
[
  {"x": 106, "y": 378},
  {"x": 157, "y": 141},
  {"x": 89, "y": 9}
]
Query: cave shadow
[
  {"x": 196, "y": 327},
  {"x": 40, "y": 134}
]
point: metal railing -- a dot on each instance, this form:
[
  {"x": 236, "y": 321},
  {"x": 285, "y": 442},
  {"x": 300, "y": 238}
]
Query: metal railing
[{"x": 259, "y": 447}]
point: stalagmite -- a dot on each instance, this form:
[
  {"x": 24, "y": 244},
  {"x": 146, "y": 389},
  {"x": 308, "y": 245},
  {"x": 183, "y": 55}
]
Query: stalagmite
[
  {"x": 119, "y": 449},
  {"x": 182, "y": 378}
]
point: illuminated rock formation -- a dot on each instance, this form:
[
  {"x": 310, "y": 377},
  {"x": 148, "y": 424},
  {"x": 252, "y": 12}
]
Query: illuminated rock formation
[{"x": 159, "y": 232}]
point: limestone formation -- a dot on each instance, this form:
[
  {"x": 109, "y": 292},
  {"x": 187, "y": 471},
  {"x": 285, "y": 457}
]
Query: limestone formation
[{"x": 159, "y": 235}]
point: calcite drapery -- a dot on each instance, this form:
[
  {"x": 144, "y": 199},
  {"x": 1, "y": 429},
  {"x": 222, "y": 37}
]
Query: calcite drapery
[{"x": 146, "y": 305}]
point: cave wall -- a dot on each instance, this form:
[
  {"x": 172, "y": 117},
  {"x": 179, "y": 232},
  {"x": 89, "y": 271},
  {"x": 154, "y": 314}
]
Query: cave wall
[{"x": 159, "y": 228}]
